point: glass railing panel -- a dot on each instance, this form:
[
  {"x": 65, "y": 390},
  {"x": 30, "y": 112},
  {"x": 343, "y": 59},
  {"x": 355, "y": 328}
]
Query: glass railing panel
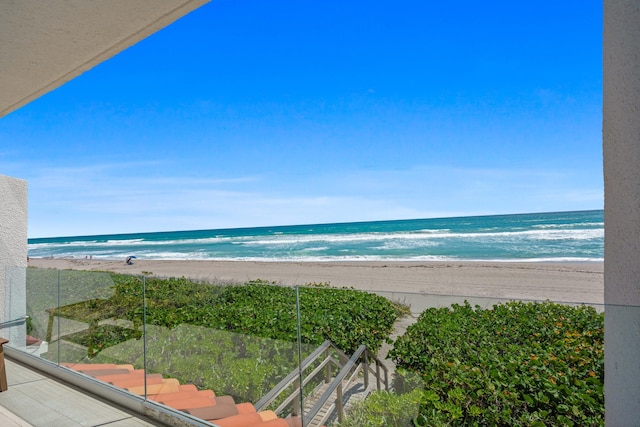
[
  {"x": 540, "y": 361},
  {"x": 13, "y": 317},
  {"x": 253, "y": 346},
  {"x": 227, "y": 346},
  {"x": 96, "y": 326},
  {"x": 41, "y": 298}
]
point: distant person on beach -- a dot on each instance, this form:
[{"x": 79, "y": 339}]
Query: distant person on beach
[{"x": 129, "y": 262}]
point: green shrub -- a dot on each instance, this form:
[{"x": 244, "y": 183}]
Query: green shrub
[
  {"x": 347, "y": 317},
  {"x": 100, "y": 337},
  {"x": 529, "y": 364},
  {"x": 384, "y": 409},
  {"x": 238, "y": 340}
]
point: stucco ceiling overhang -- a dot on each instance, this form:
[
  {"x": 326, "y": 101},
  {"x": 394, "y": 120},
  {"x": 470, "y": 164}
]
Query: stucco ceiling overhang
[{"x": 46, "y": 43}]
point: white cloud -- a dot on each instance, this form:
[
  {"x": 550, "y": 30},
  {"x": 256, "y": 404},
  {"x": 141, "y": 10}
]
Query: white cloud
[{"x": 107, "y": 199}]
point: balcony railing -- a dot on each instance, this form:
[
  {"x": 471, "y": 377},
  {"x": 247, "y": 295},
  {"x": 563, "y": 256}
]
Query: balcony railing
[{"x": 205, "y": 354}]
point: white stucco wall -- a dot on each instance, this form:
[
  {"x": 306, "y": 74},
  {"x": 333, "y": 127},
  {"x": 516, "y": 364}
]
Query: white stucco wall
[
  {"x": 621, "y": 142},
  {"x": 13, "y": 256}
]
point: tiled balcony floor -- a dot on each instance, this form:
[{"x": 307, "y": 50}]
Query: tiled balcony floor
[{"x": 36, "y": 400}]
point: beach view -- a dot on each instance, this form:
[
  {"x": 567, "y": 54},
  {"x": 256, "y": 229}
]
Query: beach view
[
  {"x": 555, "y": 256},
  {"x": 384, "y": 291},
  {"x": 320, "y": 215}
]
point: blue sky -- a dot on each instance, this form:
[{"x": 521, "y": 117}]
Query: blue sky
[{"x": 251, "y": 113}]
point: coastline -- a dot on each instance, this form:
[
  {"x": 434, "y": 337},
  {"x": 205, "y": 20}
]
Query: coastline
[{"x": 580, "y": 282}]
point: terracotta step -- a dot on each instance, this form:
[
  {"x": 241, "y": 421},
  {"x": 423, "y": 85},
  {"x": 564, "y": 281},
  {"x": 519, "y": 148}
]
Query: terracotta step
[
  {"x": 241, "y": 420},
  {"x": 214, "y": 413},
  {"x": 133, "y": 381},
  {"x": 170, "y": 385},
  {"x": 203, "y": 404},
  {"x": 187, "y": 387},
  {"x": 245, "y": 408},
  {"x": 167, "y": 397},
  {"x": 138, "y": 373},
  {"x": 103, "y": 372},
  {"x": 225, "y": 400},
  {"x": 184, "y": 388},
  {"x": 255, "y": 419},
  {"x": 280, "y": 422},
  {"x": 190, "y": 403}
]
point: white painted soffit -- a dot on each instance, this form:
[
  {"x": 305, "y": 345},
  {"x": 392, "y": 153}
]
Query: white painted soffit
[{"x": 46, "y": 43}]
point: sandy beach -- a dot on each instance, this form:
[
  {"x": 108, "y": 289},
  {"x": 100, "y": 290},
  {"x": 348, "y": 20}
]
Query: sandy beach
[{"x": 562, "y": 282}]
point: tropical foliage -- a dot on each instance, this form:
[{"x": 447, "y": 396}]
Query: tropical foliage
[
  {"x": 529, "y": 364},
  {"x": 235, "y": 339}
]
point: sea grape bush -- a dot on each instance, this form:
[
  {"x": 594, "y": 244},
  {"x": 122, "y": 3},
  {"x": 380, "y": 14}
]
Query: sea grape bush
[
  {"x": 99, "y": 337},
  {"x": 347, "y": 317},
  {"x": 384, "y": 409},
  {"x": 235, "y": 339},
  {"x": 516, "y": 364}
]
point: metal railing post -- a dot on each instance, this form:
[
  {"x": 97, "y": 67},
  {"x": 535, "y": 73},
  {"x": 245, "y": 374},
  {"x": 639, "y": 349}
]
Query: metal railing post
[
  {"x": 327, "y": 372},
  {"x": 144, "y": 333},
  {"x": 386, "y": 379},
  {"x": 300, "y": 401},
  {"x": 297, "y": 410},
  {"x": 366, "y": 369},
  {"x": 3, "y": 373},
  {"x": 58, "y": 320},
  {"x": 339, "y": 403}
]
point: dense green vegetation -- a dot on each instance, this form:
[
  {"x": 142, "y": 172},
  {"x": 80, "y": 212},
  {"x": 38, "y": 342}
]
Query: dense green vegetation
[
  {"x": 243, "y": 366},
  {"x": 235, "y": 339},
  {"x": 385, "y": 409},
  {"x": 529, "y": 364},
  {"x": 347, "y": 317}
]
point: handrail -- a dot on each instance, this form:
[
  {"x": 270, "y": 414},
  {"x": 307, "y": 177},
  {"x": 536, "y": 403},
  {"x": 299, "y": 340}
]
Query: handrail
[
  {"x": 13, "y": 322},
  {"x": 339, "y": 384},
  {"x": 346, "y": 366},
  {"x": 309, "y": 377},
  {"x": 334, "y": 385},
  {"x": 289, "y": 379}
]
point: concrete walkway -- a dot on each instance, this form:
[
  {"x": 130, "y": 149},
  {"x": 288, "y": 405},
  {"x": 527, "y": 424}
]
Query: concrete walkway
[{"x": 36, "y": 400}]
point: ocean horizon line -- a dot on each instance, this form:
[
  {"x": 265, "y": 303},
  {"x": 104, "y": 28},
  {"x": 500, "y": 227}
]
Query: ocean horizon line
[
  {"x": 571, "y": 236},
  {"x": 143, "y": 233}
]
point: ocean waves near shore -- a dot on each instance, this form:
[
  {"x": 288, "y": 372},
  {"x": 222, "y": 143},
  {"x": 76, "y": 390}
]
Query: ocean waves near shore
[{"x": 560, "y": 236}]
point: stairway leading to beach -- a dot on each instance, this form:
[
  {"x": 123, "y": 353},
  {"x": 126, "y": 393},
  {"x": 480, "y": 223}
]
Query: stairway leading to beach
[
  {"x": 353, "y": 389},
  {"x": 329, "y": 414}
]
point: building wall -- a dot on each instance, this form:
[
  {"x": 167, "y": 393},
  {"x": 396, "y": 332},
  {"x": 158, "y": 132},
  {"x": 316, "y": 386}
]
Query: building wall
[
  {"x": 13, "y": 256},
  {"x": 621, "y": 142}
]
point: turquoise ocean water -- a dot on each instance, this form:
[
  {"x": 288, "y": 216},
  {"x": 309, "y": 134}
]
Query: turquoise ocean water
[{"x": 557, "y": 236}]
